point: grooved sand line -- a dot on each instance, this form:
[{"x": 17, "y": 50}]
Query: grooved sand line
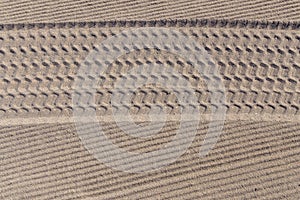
[
  {"x": 188, "y": 23},
  {"x": 143, "y": 118}
]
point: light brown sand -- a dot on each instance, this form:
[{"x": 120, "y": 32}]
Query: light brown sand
[
  {"x": 258, "y": 67},
  {"x": 252, "y": 160},
  {"x": 257, "y": 155},
  {"x": 25, "y": 11}
]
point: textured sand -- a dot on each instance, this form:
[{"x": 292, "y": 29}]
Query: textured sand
[
  {"x": 252, "y": 160},
  {"x": 258, "y": 67},
  {"x": 27, "y": 11},
  {"x": 258, "y": 153}
]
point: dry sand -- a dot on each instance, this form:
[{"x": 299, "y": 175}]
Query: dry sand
[
  {"x": 28, "y": 11},
  {"x": 256, "y": 157},
  {"x": 252, "y": 160}
]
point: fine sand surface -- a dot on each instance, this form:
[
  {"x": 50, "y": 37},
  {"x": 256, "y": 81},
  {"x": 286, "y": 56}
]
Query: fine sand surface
[
  {"x": 252, "y": 160},
  {"x": 28, "y": 11},
  {"x": 43, "y": 46}
]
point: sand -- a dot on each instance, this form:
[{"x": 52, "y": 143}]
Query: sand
[
  {"x": 44, "y": 46},
  {"x": 27, "y": 11}
]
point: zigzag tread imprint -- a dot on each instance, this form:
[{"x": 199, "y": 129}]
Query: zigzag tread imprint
[{"x": 259, "y": 68}]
